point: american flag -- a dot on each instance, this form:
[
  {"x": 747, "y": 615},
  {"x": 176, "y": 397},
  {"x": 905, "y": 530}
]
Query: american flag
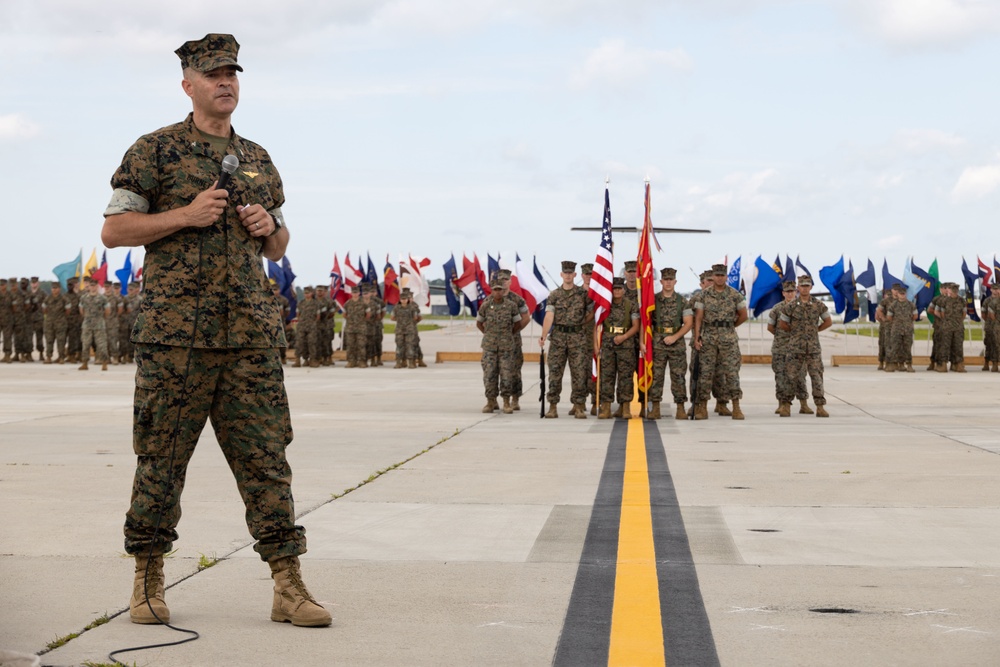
[{"x": 601, "y": 279}]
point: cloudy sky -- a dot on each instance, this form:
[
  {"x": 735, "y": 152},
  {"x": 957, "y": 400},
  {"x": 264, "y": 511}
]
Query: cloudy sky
[{"x": 816, "y": 128}]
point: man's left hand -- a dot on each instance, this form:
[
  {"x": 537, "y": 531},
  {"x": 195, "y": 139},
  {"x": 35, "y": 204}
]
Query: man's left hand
[{"x": 256, "y": 220}]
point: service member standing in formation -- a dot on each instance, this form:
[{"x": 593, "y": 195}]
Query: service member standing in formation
[
  {"x": 55, "y": 308},
  {"x": 36, "y": 318},
  {"x": 617, "y": 352},
  {"x": 406, "y": 315},
  {"x": 586, "y": 272},
  {"x": 74, "y": 323},
  {"x": 718, "y": 311},
  {"x": 900, "y": 315},
  {"x": 948, "y": 309},
  {"x": 324, "y": 326},
  {"x": 376, "y": 328},
  {"x": 779, "y": 354},
  {"x": 672, "y": 319},
  {"x": 355, "y": 332},
  {"x": 498, "y": 320},
  {"x": 991, "y": 331},
  {"x": 94, "y": 308},
  {"x": 208, "y": 309},
  {"x": 112, "y": 320},
  {"x": 307, "y": 330},
  {"x": 882, "y": 317},
  {"x": 803, "y": 319},
  {"x": 286, "y": 310},
  {"x": 522, "y": 308},
  {"x": 567, "y": 312},
  {"x": 6, "y": 320}
]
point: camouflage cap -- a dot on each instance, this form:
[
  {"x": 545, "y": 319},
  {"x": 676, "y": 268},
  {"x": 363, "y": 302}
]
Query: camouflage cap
[
  {"x": 788, "y": 286},
  {"x": 618, "y": 283},
  {"x": 3, "y": 281},
  {"x": 805, "y": 280},
  {"x": 705, "y": 275},
  {"x": 496, "y": 283},
  {"x": 631, "y": 265},
  {"x": 504, "y": 273},
  {"x": 321, "y": 288},
  {"x": 899, "y": 287},
  {"x": 569, "y": 267},
  {"x": 212, "y": 51},
  {"x": 24, "y": 281},
  {"x": 719, "y": 270},
  {"x": 308, "y": 289},
  {"x": 405, "y": 293},
  {"x": 668, "y": 274},
  {"x": 34, "y": 279},
  {"x": 587, "y": 269}
]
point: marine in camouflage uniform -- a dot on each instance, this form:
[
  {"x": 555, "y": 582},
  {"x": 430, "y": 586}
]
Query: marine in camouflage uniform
[
  {"x": 803, "y": 319},
  {"x": 567, "y": 312},
  {"x": 406, "y": 315},
  {"x": 73, "y": 321},
  {"x": 497, "y": 319},
  {"x": 882, "y": 317},
  {"x": 208, "y": 332},
  {"x": 949, "y": 330},
  {"x": 376, "y": 329},
  {"x": 991, "y": 331},
  {"x": 307, "y": 330},
  {"x": 113, "y": 320},
  {"x": 355, "y": 332},
  {"x": 719, "y": 309},
  {"x": 936, "y": 324},
  {"x": 94, "y": 308},
  {"x": 286, "y": 311},
  {"x": 327, "y": 321},
  {"x": 779, "y": 354},
  {"x": 586, "y": 272},
  {"x": 6, "y": 320},
  {"x": 22, "y": 328},
  {"x": 133, "y": 300},
  {"x": 525, "y": 319},
  {"x": 672, "y": 319},
  {"x": 900, "y": 313},
  {"x": 55, "y": 308},
  {"x": 618, "y": 356},
  {"x": 36, "y": 318}
]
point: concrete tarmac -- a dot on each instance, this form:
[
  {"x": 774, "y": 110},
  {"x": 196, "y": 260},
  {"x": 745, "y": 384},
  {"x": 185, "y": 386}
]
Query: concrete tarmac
[{"x": 439, "y": 535}]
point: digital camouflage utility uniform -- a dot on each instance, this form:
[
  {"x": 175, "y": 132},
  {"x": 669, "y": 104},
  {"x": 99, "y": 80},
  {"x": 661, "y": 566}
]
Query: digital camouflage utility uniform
[
  {"x": 56, "y": 309},
  {"x": 804, "y": 354},
  {"x": 355, "y": 330},
  {"x": 618, "y": 361},
  {"x": 406, "y": 331},
  {"x": 720, "y": 352},
  {"x": 498, "y": 320},
  {"x": 522, "y": 308},
  {"x": 668, "y": 318},
  {"x": 207, "y": 306},
  {"x": 949, "y": 329},
  {"x": 567, "y": 345},
  {"x": 899, "y": 344},
  {"x": 6, "y": 320},
  {"x": 784, "y": 384},
  {"x": 94, "y": 331}
]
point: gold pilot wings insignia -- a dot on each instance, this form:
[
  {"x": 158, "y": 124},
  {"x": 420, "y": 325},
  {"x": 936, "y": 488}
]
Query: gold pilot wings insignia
[{"x": 250, "y": 174}]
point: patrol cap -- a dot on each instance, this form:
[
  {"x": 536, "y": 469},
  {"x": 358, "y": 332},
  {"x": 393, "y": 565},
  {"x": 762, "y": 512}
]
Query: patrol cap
[
  {"x": 569, "y": 267},
  {"x": 405, "y": 293},
  {"x": 805, "y": 280},
  {"x": 3, "y": 281},
  {"x": 496, "y": 283},
  {"x": 308, "y": 288},
  {"x": 617, "y": 283},
  {"x": 34, "y": 279},
  {"x": 587, "y": 269},
  {"x": 630, "y": 265},
  {"x": 719, "y": 270},
  {"x": 212, "y": 51},
  {"x": 668, "y": 274},
  {"x": 24, "y": 281},
  {"x": 705, "y": 275},
  {"x": 788, "y": 286},
  {"x": 504, "y": 274},
  {"x": 897, "y": 287}
]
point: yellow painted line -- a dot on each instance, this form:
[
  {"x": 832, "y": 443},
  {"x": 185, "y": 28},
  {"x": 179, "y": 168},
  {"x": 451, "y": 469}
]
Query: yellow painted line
[{"x": 636, "y": 628}]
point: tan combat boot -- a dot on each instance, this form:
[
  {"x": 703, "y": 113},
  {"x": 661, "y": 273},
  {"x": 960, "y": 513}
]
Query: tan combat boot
[
  {"x": 931, "y": 365},
  {"x": 821, "y": 411},
  {"x": 681, "y": 412},
  {"x": 104, "y": 366},
  {"x": 292, "y": 602},
  {"x": 298, "y": 363},
  {"x": 804, "y": 408},
  {"x": 986, "y": 365},
  {"x": 399, "y": 363},
  {"x": 313, "y": 363},
  {"x": 507, "y": 409},
  {"x": 148, "y": 592},
  {"x": 890, "y": 368},
  {"x": 995, "y": 368},
  {"x": 491, "y": 405},
  {"x": 617, "y": 413},
  {"x": 412, "y": 363},
  {"x": 777, "y": 410},
  {"x": 655, "y": 412},
  {"x": 515, "y": 403},
  {"x": 722, "y": 409},
  {"x": 909, "y": 368},
  {"x": 6, "y": 360},
  {"x": 420, "y": 362},
  {"x": 701, "y": 410},
  {"x": 581, "y": 411},
  {"x": 737, "y": 413},
  {"x": 941, "y": 368},
  {"x": 605, "y": 411},
  {"x": 959, "y": 367},
  {"x": 553, "y": 412},
  {"x": 881, "y": 366},
  {"x": 83, "y": 366},
  {"x": 785, "y": 409},
  {"x": 378, "y": 360},
  {"x": 48, "y": 360},
  {"x": 626, "y": 410}
]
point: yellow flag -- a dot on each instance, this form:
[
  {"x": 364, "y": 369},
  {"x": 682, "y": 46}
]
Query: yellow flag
[{"x": 91, "y": 265}]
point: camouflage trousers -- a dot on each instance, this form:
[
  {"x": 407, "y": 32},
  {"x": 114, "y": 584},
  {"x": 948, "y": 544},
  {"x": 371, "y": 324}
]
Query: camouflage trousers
[
  {"x": 74, "y": 334},
  {"x": 991, "y": 334},
  {"x": 785, "y": 384},
  {"x": 674, "y": 356},
  {"x": 568, "y": 348},
  {"x": 307, "y": 341},
  {"x": 898, "y": 346},
  {"x": 242, "y": 391},
  {"x": 406, "y": 345},
  {"x": 883, "y": 336},
  {"x": 498, "y": 373},
  {"x": 114, "y": 347},
  {"x": 326, "y": 332},
  {"x": 355, "y": 342},
  {"x": 37, "y": 324},
  {"x": 7, "y": 332},
  {"x": 518, "y": 387},
  {"x": 55, "y": 336},
  {"x": 720, "y": 367},
  {"x": 22, "y": 334},
  {"x": 949, "y": 345},
  {"x": 796, "y": 367},
  {"x": 96, "y": 335},
  {"x": 373, "y": 342},
  {"x": 617, "y": 370}
]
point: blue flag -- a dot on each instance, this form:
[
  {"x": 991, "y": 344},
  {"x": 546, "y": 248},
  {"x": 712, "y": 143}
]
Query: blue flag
[
  {"x": 970, "y": 291},
  {"x": 124, "y": 274},
  {"x": 450, "y": 274},
  {"x": 539, "y": 314},
  {"x": 866, "y": 280},
  {"x": 372, "y": 276},
  {"x": 492, "y": 266},
  {"x": 733, "y": 279},
  {"x": 888, "y": 280},
  {"x": 68, "y": 270},
  {"x": 847, "y": 289},
  {"x": 830, "y": 276},
  {"x": 789, "y": 274},
  {"x": 288, "y": 291},
  {"x": 765, "y": 292},
  {"x": 919, "y": 286},
  {"x": 800, "y": 268}
]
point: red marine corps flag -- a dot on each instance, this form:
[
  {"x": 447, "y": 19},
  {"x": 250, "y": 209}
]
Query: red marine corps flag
[{"x": 647, "y": 300}]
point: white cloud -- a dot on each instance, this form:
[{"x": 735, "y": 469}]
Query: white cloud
[
  {"x": 976, "y": 182},
  {"x": 927, "y": 23},
  {"x": 16, "y": 126},
  {"x": 614, "y": 64},
  {"x": 889, "y": 242},
  {"x": 924, "y": 141}
]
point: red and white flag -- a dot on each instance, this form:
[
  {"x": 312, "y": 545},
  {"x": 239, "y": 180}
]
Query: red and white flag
[{"x": 603, "y": 275}]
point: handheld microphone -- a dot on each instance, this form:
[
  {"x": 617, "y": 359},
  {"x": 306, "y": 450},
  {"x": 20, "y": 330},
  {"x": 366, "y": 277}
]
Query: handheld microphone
[{"x": 229, "y": 165}]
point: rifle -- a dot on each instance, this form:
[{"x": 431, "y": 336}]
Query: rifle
[
  {"x": 695, "y": 372},
  {"x": 541, "y": 374}
]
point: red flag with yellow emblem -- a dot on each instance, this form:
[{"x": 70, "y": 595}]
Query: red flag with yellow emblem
[{"x": 647, "y": 299}]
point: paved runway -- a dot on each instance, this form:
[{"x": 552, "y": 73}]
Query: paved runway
[{"x": 442, "y": 536}]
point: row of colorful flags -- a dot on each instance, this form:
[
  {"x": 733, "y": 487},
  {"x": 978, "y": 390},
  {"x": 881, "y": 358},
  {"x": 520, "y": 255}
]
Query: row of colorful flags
[{"x": 75, "y": 268}]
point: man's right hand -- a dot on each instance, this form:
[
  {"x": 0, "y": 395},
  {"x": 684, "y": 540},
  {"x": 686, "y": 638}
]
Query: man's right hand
[{"x": 207, "y": 207}]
